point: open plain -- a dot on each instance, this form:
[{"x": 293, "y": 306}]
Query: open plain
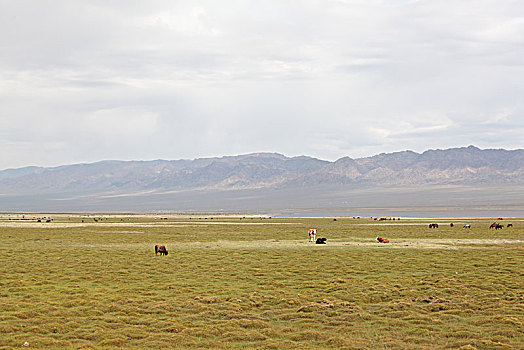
[{"x": 93, "y": 281}]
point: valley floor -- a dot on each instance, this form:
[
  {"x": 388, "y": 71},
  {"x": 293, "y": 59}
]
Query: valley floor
[{"x": 256, "y": 282}]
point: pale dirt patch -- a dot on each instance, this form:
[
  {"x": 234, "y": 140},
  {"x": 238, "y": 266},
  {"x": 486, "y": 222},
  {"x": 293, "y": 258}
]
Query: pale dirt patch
[
  {"x": 188, "y": 223},
  {"x": 458, "y": 224},
  {"x": 445, "y": 244},
  {"x": 394, "y": 224},
  {"x": 24, "y": 224},
  {"x": 434, "y": 243},
  {"x": 97, "y": 231},
  {"x": 14, "y": 224},
  {"x": 152, "y": 216}
]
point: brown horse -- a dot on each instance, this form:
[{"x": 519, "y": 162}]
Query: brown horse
[
  {"x": 160, "y": 249},
  {"x": 382, "y": 240}
]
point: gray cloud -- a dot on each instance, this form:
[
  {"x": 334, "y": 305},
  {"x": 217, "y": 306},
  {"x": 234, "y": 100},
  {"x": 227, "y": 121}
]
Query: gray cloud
[{"x": 89, "y": 80}]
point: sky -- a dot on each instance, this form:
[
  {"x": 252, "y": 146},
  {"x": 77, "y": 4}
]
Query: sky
[{"x": 83, "y": 81}]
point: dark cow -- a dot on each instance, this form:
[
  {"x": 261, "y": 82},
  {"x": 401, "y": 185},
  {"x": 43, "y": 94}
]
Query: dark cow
[
  {"x": 382, "y": 240},
  {"x": 321, "y": 240},
  {"x": 160, "y": 249}
]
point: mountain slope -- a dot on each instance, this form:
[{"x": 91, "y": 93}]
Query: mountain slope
[
  {"x": 467, "y": 165},
  {"x": 164, "y": 181}
]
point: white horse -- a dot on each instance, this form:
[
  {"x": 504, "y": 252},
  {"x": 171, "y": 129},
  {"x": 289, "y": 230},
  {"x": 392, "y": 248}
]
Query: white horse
[{"x": 312, "y": 234}]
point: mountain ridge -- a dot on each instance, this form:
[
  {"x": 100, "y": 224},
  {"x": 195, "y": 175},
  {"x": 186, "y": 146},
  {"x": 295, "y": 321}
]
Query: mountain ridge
[
  {"x": 451, "y": 166},
  {"x": 269, "y": 172}
]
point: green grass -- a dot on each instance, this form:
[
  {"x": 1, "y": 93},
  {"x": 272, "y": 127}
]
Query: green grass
[{"x": 258, "y": 283}]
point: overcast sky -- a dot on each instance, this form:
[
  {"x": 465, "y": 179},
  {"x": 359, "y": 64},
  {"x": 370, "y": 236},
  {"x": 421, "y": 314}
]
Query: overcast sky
[{"x": 83, "y": 81}]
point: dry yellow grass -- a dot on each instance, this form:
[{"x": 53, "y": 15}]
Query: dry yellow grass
[{"x": 239, "y": 285}]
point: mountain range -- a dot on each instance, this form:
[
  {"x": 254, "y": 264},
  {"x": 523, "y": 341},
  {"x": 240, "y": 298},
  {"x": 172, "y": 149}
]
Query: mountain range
[{"x": 263, "y": 181}]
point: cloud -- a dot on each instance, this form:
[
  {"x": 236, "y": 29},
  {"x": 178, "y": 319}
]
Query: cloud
[{"x": 91, "y": 80}]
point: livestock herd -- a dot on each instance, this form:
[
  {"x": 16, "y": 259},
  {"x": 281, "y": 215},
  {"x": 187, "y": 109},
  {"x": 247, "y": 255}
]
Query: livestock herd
[{"x": 161, "y": 249}]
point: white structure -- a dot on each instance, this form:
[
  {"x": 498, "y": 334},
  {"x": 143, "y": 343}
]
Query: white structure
[{"x": 312, "y": 234}]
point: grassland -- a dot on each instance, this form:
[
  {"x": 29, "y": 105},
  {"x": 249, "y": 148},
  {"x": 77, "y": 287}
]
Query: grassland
[{"x": 232, "y": 282}]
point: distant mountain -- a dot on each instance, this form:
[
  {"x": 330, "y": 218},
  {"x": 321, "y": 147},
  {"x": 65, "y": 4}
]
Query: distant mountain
[
  {"x": 236, "y": 172},
  {"x": 466, "y": 166}
]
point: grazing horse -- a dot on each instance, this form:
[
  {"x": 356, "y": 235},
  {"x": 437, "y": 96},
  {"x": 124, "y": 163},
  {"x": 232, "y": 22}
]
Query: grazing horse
[
  {"x": 433, "y": 225},
  {"x": 382, "y": 240},
  {"x": 467, "y": 226},
  {"x": 321, "y": 240},
  {"x": 494, "y": 225},
  {"x": 510, "y": 225},
  {"x": 498, "y": 226},
  {"x": 160, "y": 249}
]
